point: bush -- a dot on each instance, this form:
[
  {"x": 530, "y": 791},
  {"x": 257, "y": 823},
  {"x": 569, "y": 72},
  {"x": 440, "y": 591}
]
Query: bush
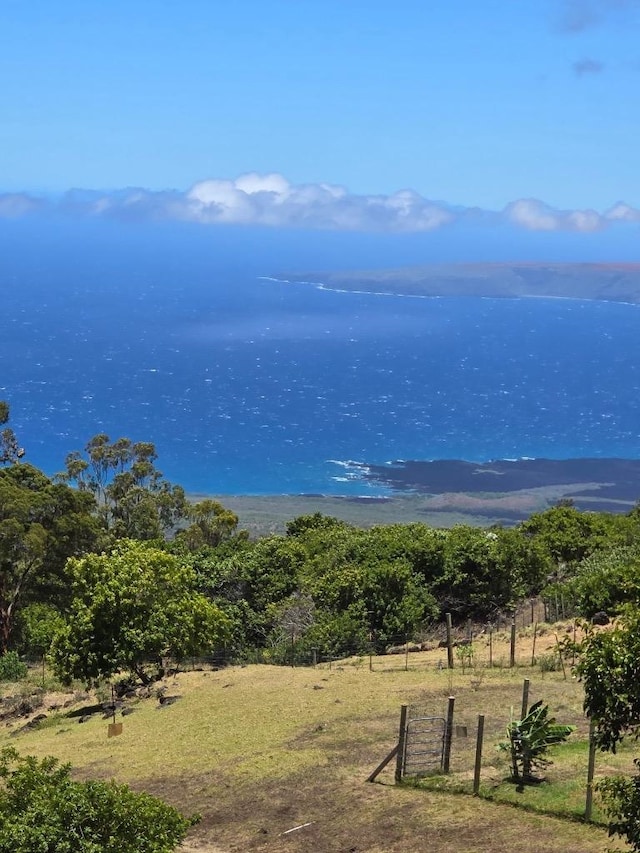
[
  {"x": 42, "y": 809},
  {"x": 11, "y": 667},
  {"x": 549, "y": 662},
  {"x": 621, "y": 798}
]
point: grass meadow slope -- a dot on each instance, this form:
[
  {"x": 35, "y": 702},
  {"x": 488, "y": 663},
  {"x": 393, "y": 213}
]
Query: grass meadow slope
[{"x": 276, "y": 758}]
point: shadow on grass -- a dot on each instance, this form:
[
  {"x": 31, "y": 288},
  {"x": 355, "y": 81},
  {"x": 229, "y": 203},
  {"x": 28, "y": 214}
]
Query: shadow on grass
[
  {"x": 564, "y": 800},
  {"x": 84, "y": 711}
]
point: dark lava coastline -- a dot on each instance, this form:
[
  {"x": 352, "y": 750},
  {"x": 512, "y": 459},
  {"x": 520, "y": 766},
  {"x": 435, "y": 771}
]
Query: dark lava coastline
[{"x": 612, "y": 485}]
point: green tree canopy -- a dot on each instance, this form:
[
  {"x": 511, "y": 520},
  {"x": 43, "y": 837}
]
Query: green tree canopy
[
  {"x": 609, "y": 666},
  {"x": 488, "y": 570},
  {"x": 133, "y": 498},
  {"x": 211, "y": 524},
  {"x": 606, "y": 581},
  {"x": 132, "y": 607},
  {"x": 41, "y": 524},
  {"x": 43, "y": 809},
  {"x": 10, "y": 450},
  {"x": 569, "y": 535}
]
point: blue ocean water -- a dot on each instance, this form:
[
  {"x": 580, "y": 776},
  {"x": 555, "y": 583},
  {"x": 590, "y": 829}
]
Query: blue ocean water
[{"x": 255, "y": 386}]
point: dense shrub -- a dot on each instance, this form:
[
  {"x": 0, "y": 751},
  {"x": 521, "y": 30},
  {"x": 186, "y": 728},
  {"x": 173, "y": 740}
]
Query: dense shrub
[
  {"x": 606, "y": 581},
  {"x": 43, "y": 809},
  {"x": 11, "y": 667},
  {"x": 621, "y": 800}
]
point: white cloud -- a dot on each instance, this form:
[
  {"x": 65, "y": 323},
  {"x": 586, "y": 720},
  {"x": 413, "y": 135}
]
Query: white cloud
[
  {"x": 622, "y": 212},
  {"x": 271, "y": 200},
  {"x": 15, "y": 205},
  {"x": 535, "y": 215}
]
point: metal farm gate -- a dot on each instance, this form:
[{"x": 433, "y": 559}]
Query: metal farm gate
[{"x": 423, "y": 745}]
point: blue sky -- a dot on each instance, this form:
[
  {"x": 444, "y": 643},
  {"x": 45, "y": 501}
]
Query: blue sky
[{"x": 527, "y": 108}]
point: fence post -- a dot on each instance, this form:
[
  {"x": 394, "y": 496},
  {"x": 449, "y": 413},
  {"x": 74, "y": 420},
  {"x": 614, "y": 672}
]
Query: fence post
[
  {"x": 406, "y": 653},
  {"x": 448, "y": 732},
  {"x": 478, "y": 765},
  {"x": 588, "y": 808},
  {"x": 533, "y": 647},
  {"x": 559, "y": 651},
  {"x": 402, "y": 742},
  {"x": 449, "y": 646},
  {"x": 525, "y": 698},
  {"x": 490, "y": 647},
  {"x": 512, "y": 655}
]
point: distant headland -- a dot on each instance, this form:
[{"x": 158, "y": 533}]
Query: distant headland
[
  {"x": 446, "y": 492},
  {"x": 610, "y": 282}
]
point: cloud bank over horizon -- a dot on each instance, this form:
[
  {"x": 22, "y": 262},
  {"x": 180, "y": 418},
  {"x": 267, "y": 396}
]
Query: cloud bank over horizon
[{"x": 271, "y": 200}]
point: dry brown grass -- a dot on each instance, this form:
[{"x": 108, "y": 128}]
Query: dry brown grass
[{"x": 260, "y": 750}]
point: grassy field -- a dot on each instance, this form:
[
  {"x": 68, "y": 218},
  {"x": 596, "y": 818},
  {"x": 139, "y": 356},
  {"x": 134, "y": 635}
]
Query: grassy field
[
  {"x": 265, "y": 514},
  {"x": 260, "y": 750}
]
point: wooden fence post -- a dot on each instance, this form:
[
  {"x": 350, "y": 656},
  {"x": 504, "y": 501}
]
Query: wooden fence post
[
  {"x": 449, "y": 646},
  {"x": 559, "y": 651},
  {"x": 478, "y": 765},
  {"x": 406, "y": 653},
  {"x": 533, "y": 648},
  {"x": 491, "y": 647},
  {"x": 588, "y": 808},
  {"x": 512, "y": 655},
  {"x": 525, "y": 698},
  {"x": 402, "y": 742},
  {"x": 383, "y": 764},
  {"x": 448, "y": 732}
]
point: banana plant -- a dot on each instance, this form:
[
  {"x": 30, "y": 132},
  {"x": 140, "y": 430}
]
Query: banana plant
[{"x": 529, "y": 740}]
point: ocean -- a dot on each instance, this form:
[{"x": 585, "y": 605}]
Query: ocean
[{"x": 247, "y": 384}]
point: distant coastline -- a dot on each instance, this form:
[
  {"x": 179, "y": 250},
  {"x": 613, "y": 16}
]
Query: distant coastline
[
  {"x": 452, "y": 491},
  {"x": 606, "y": 484},
  {"x": 608, "y": 282}
]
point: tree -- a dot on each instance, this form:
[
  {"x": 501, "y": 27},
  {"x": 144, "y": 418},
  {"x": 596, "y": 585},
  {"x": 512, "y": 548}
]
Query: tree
[
  {"x": 211, "y": 524},
  {"x": 569, "y": 535},
  {"x": 364, "y": 580},
  {"x": 621, "y": 798},
  {"x": 41, "y": 524},
  {"x": 10, "y": 450},
  {"x": 606, "y": 581},
  {"x": 487, "y": 570},
  {"x": 302, "y": 524},
  {"x": 39, "y": 623},
  {"x": 129, "y": 609},
  {"x": 609, "y": 665},
  {"x": 42, "y": 808},
  {"x": 133, "y": 498}
]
